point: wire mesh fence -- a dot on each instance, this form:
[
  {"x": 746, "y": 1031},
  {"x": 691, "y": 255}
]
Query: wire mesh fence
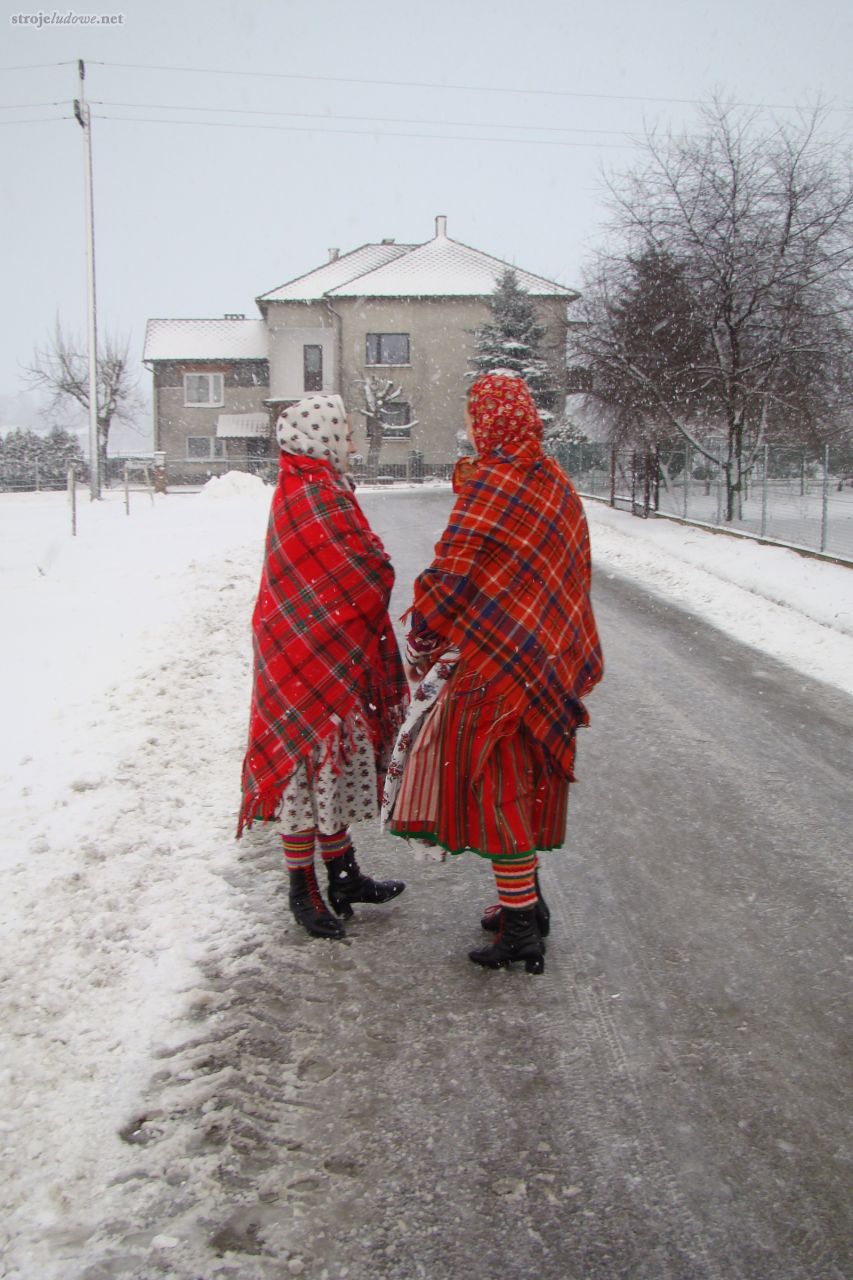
[
  {"x": 34, "y": 477},
  {"x": 413, "y": 471},
  {"x": 790, "y": 495}
]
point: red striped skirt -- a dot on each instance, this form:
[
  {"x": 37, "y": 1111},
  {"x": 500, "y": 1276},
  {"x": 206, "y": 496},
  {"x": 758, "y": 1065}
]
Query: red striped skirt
[{"x": 470, "y": 783}]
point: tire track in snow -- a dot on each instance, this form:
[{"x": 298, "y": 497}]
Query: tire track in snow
[{"x": 648, "y": 1163}]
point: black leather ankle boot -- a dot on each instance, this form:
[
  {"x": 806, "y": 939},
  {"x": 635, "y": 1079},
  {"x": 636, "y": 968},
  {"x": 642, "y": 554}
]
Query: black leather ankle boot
[
  {"x": 348, "y": 884},
  {"x": 518, "y": 939},
  {"x": 492, "y": 915},
  {"x": 308, "y": 907}
]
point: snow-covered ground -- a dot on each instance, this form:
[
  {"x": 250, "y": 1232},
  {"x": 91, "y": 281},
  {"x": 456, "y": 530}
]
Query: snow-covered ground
[
  {"x": 126, "y": 656},
  {"x": 795, "y": 607}
]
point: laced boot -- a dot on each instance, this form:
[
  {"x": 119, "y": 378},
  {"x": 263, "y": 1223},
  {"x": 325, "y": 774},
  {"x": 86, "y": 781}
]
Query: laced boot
[
  {"x": 348, "y": 884},
  {"x": 308, "y": 907},
  {"x": 518, "y": 939},
  {"x": 492, "y": 915}
]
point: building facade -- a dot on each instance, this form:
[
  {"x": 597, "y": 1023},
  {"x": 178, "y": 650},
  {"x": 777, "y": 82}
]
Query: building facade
[{"x": 400, "y": 314}]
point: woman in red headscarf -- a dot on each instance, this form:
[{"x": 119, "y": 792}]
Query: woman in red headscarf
[{"x": 508, "y": 589}]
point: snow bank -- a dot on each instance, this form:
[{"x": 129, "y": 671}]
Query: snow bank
[
  {"x": 235, "y": 484},
  {"x": 796, "y": 608}
]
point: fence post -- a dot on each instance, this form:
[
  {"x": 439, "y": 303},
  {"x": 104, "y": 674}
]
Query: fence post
[
  {"x": 824, "y": 515},
  {"x": 613, "y": 476},
  {"x": 72, "y": 498},
  {"x": 160, "y": 471},
  {"x": 688, "y": 467},
  {"x": 36, "y": 469},
  {"x": 126, "y": 491},
  {"x": 764, "y": 491},
  {"x": 719, "y": 519}
]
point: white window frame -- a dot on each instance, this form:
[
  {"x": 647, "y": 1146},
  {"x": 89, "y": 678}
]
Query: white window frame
[
  {"x": 387, "y": 364},
  {"x": 216, "y": 449},
  {"x": 215, "y": 391}
]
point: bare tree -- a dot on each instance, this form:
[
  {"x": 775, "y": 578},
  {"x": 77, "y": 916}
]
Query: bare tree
[
  {"x": 723, "y": 312},
  {"x": 61, "y": 368},
  {"x": 379, "y": 395}
]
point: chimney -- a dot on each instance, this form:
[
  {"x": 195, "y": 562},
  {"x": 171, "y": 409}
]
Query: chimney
[
  {"x": 441, "y": 227},
  {"x": 234, "y": 315},
  {"x": 388, "y": 240},
  {"x": 334, "y": 254}
]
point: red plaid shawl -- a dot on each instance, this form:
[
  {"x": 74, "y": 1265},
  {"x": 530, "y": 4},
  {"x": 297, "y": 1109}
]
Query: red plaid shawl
[
  {"x": 509, "y": 586},
  {"x": 324, "y": 645}
]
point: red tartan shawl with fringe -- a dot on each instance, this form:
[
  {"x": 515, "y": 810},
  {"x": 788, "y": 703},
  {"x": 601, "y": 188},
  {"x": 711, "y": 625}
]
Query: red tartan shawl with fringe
[
  {"x": 509, "y": 586},
  {"x": 324, "y": 644}
]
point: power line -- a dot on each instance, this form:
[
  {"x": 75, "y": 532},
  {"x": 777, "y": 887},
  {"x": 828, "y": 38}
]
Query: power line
[
  {"x": 29, "y": 106},
  {"x": 427, "y": 84},
  {"x": 390, "y": 84},
  {"x": 37, "y": 120},
  {"x": 372, "y": 133},
  {"x": 40, "y": 66},
  {"x": 316, "y": 115},
  {"x": 382, "y": 83}
]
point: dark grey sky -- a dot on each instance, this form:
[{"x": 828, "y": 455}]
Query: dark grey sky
[{"x": 196, "y": 218}]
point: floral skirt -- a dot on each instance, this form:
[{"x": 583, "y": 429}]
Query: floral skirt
[
  {"x": 341, "y": 790},
  {"x": 467, "y": 783}
]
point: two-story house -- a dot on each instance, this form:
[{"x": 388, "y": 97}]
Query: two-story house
[{"x": 398, "y": 312}]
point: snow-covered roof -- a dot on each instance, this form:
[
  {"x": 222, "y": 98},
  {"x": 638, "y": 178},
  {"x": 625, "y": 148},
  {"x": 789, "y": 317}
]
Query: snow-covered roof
[
  {"x": 443, "y": 268},
  {"x": 320, "y": 282},
  {"x": 206, "y": 340}
]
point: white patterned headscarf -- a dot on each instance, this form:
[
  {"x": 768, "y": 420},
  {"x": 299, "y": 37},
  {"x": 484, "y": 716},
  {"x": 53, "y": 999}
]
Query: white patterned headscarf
[{"x": 316, "y": 427}]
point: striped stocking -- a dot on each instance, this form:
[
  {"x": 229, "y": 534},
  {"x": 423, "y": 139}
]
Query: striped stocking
[
  {"x": 334, "y": 846},
  {"x": 515, "y": 880},
  {"x": 299, "y": 849}
]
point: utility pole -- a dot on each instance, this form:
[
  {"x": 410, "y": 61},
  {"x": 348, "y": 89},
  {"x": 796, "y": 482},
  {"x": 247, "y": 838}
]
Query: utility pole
[{"x": 84, "y": 119}]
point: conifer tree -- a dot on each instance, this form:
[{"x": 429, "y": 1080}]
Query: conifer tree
[
  {"x": 511, "y": 343},
  {"x": 28, "y": 459}
]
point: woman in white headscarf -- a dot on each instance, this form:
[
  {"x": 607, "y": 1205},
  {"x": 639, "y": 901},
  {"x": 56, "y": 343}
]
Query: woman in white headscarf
[{"x": 329, "y": 687}]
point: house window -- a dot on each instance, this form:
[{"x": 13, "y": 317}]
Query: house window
[
  {"x": 201, "y": 448},
  {"x": 203, "y": 390},
  {"x": 312, "y": 367},
  {"x": 395, "y": 420},
  {"x": 387, "y": 348}
]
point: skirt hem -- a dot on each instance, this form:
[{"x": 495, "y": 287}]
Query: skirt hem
[{"x": 429, "y": 837}]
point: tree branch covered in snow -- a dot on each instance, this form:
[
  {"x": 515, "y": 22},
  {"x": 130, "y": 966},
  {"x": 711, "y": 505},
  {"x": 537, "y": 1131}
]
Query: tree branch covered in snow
[{"x": 379, "y": 395}]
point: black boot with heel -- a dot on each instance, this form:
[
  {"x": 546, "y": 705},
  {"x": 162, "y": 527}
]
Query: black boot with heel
[
  {"x": 492, "y": 915},
  {"x": 308, "y": 907},
  {"x": 518, "y": 940},
  {"x": 348, "y": 884}
]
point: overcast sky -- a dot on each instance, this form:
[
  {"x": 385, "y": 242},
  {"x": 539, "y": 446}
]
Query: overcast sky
[{"x": 196, "y": 217}]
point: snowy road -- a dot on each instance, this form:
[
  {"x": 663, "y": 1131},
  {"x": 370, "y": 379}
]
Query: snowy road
[{"x": 670, "y": 1101}]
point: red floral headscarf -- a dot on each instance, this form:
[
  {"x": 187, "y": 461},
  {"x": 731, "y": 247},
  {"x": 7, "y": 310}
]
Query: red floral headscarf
[{"x": 503, "y": 413}]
